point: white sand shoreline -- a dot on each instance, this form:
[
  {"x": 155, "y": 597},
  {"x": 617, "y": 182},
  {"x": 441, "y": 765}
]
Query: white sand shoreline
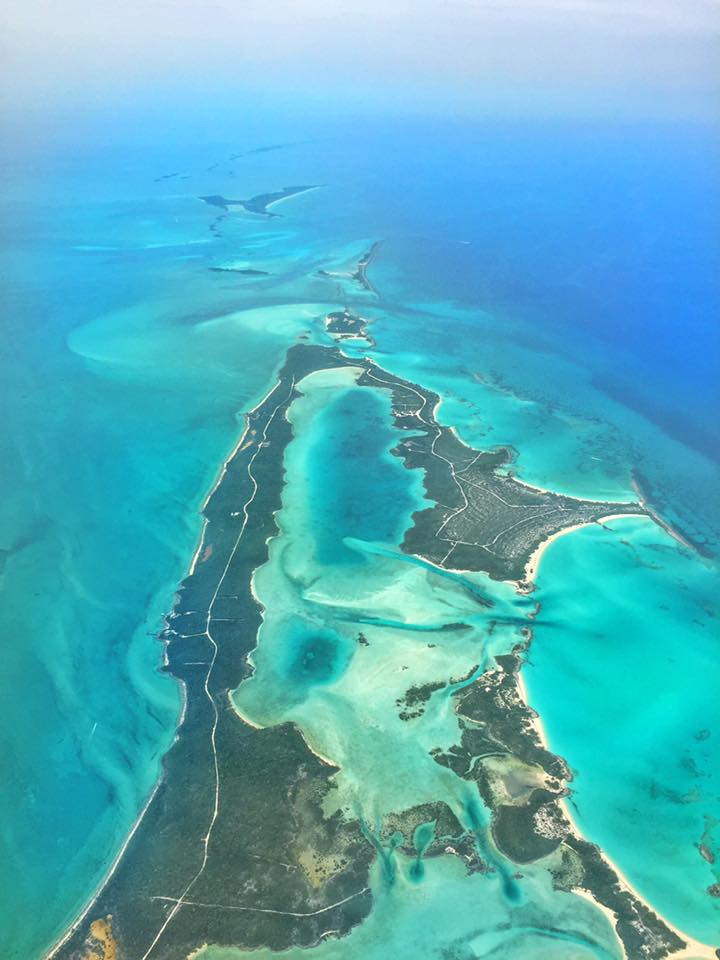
[
  {"x": 533, "y": 564},
  {"x": 191, "y": 569},
  {"x": 667, "y": 527},
  {"x": 113, "y": 867},
  {"x": 695, "y": 949}
]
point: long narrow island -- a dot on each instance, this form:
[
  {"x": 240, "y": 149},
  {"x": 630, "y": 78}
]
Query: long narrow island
[{"x": 239, "y": 844}]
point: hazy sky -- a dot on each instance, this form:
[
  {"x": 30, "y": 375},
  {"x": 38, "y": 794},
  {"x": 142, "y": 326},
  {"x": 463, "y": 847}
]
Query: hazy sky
[{"x": 526, "y": 54}]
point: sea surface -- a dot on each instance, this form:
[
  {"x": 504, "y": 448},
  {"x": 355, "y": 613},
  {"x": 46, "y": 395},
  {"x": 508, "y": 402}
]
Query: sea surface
[{"x": 557, "y": 283}]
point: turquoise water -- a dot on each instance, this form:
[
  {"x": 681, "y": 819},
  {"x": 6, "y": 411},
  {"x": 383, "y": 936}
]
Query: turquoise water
[
  {"x": 353, "y": 491},
  {"x": 125, "y": 372},
  {"x": 343, "y": 694},
  {"x": 529, "y": 276},
  {"x": 465, "y": 916},
  {"x": 402, "y": 609},
  {"x": 631, "y": 620}
]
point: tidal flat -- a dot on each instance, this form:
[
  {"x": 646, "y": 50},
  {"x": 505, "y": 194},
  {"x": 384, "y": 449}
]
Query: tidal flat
[
  {"x": 128, "y": 322},
  {"x": 357, "y": 707}
]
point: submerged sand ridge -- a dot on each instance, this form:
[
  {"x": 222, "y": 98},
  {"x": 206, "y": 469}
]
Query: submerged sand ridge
[{"x": 344, "y": 698}]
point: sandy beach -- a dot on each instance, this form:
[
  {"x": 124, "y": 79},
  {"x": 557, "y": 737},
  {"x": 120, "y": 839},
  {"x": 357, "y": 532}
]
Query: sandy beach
[
  {"x": 670, "y": 530},
  {"x": 695, "y": 950},
  {"x": 533, "y": 563}
]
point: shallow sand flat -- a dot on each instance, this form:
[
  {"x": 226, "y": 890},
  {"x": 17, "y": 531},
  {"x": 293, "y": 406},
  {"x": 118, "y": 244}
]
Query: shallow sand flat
[
  {"x": 121, "y": 540},
  {"x": 461, "y": 913},
  {"x": 148, "y": 337},
  {"x": 349, "y": 711}
]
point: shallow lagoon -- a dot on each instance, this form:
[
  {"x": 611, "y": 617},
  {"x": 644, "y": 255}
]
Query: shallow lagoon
[
  {"x": 451, "y": 914},
  {"x": 126, "y": 351},
  {"x": 391, "y": 625}
]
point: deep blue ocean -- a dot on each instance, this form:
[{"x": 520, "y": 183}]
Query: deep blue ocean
[{"x": 556, "y": 282}]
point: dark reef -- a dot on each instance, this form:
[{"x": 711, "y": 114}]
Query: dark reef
[{"x": 243, "y": 272}]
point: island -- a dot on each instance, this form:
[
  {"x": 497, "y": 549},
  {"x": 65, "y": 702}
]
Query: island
[
  {"x": 357, "y": 274},
  {"x": 259, "y": 204},
  {"x": 234, "y": 846}
]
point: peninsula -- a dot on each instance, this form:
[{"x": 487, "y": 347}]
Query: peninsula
[
  {"x": 234, "y": 846},
  {"x": 259, "y": 204}
]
